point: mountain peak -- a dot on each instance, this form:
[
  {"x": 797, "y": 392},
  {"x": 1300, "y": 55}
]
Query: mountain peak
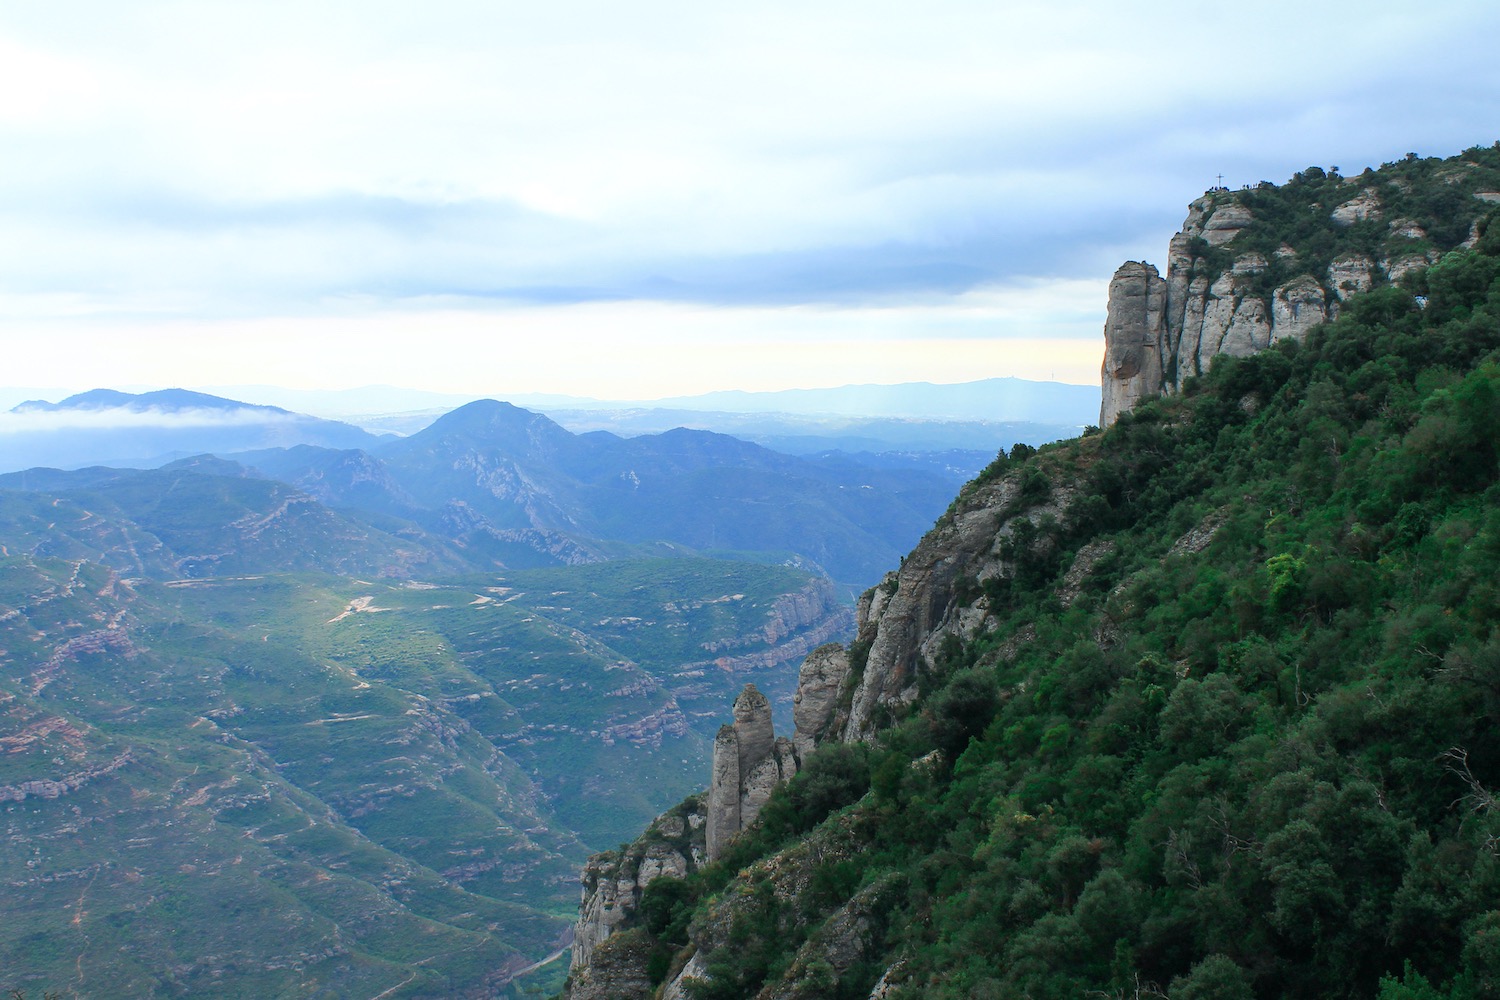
[
  {"x": 492, "y": 421},
  {"x": 165, "y": 400}
]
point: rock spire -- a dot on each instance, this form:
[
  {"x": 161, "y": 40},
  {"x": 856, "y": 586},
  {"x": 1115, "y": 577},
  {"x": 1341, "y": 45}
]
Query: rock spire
[
  {"x": 749, "y": 761},
  {"x": 1159, "y": 331}
]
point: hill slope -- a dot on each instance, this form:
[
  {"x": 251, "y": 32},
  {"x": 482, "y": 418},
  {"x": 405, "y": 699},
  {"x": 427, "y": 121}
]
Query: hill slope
[{"x": 1201, "y": 706}]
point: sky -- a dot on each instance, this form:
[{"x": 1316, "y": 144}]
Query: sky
[{"x": 656, "y": 198}]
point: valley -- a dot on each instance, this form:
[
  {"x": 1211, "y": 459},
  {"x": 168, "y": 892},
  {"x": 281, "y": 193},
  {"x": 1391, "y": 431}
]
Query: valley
[
  {"x": 255, "y": 743},
  {"x": 316, "y": 767}
]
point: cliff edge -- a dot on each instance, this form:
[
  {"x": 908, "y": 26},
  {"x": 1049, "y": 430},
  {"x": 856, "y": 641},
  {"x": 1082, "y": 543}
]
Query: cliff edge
[{"x": 1268, "y": 263}]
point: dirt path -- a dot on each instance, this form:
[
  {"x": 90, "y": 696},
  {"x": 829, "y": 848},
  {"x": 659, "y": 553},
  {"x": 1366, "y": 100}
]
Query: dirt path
[{"x": 355, "y": 607}]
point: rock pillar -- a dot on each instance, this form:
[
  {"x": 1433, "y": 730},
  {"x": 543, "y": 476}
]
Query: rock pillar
[
  {"x": 1134, "y": 331},
  {"x": 723, "y": 793},
  {"x": 749, "y": 761}
]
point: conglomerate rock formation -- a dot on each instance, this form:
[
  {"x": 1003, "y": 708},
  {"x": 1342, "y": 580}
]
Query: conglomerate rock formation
[
  {"x": 1234, "y": 287},
  {"x": 749, "y": 761},
  {"x": 1161, "y": 330}
]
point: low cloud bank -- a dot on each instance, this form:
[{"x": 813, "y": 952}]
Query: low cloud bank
[{"x": 23, "y": 420}]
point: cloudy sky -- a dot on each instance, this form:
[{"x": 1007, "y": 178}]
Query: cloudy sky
[{"x": 645, "y": 199}]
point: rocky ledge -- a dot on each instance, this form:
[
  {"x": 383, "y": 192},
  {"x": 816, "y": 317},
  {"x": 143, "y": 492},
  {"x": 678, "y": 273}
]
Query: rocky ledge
[{"x": 1223, "y": 295}]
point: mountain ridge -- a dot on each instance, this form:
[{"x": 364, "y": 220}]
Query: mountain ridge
[
  {"x": 107, "y": 427},
  {"x": 492, "y": 473},
  {"x": 1198, "y": 706}
]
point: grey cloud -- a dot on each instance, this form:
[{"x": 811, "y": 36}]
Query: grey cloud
[
  {"x": 395, "y": 248},
  {"x": 160, "y": 208}
]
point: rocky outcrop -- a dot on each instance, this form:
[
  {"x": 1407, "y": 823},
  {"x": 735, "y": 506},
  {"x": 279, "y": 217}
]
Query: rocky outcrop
[
  {"x": 96, "y": 643},
  {"x": 846, "y": 938},
  {"x": 617, "y": 970},
  {"x": 786, "y": 875},
  {"x": 612, "y": 885},
  {"x": 1225, "y": 222},
  {"x": 723, "y": 792},
  {"x": 1133, "y": 332},
  {"x": 1159, "y": 331},
  {"x": 1297, "y": 307},
  {"x": 819, "y": 682},
  {"x": 1223, "y": 296},
  {"x": 51, "y": 788},
  {"x": 1365, "y": 205},
  {"x": 749, "y": 761},
  {"x": 1351, "y": 274},
  {"x": 1084, "y": 563},
  {"x": 905, "y": 621}
]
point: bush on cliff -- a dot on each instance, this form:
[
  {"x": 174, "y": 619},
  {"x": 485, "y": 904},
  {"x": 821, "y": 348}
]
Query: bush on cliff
[{"x": 1263, "y": 765}]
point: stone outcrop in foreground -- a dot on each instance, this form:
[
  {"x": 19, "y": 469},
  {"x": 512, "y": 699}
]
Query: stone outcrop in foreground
[
  {"x": 749, "y": 761},
  {"x": 612, "y": 885}
]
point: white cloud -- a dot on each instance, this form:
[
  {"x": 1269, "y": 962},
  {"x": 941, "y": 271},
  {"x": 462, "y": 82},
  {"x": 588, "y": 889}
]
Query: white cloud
[
  {"x": 208, "y": 162},
  {"x": 35, "y": 421},
  {"x": 631, "y": 350}
]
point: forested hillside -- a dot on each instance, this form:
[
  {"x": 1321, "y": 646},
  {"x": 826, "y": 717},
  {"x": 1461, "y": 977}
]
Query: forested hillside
[{"x": 1227, "y": 729}]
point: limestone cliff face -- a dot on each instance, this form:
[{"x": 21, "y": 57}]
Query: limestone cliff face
[
  {"x": 1133, "y": 332},
  {"x": 749, "y": 761},
  {"x": 819, "y": 683},
  {"x": 1234, "y": 286},
  {"x": 904, "y": 621},
  {"x": 1159, "y": 331},
  {"x": 843, "y": 940}
]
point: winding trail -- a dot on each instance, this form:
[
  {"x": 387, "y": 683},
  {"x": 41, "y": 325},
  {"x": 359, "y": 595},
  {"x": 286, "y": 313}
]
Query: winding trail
[{"x": 559, "y": 953}]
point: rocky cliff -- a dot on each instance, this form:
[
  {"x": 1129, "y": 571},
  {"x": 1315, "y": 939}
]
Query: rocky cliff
[
  {"x": 1268, "y": 263},
  {"x": 843, "y": 695},
  {"x": 936, "y": 596},
  {"x": 1121, "y": 697},
  {"x": 612, "y": 885},
  {"x": 749, "y": 762}
]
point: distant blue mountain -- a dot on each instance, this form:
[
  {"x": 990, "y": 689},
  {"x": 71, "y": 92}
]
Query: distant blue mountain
[
  {"x": 162, "y": 400},
  {"x": 991, "y": 400},
  {"x": 145, "y": 430},
  {"x": 505, "y": 483}
]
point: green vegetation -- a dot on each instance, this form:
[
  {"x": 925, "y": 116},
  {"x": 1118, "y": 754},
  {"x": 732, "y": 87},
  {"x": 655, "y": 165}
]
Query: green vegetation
[
  {"x": 285, "y": 783},
  {"x": 1257, "y": 755},
  {"x": 1425, "y": 206}
]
